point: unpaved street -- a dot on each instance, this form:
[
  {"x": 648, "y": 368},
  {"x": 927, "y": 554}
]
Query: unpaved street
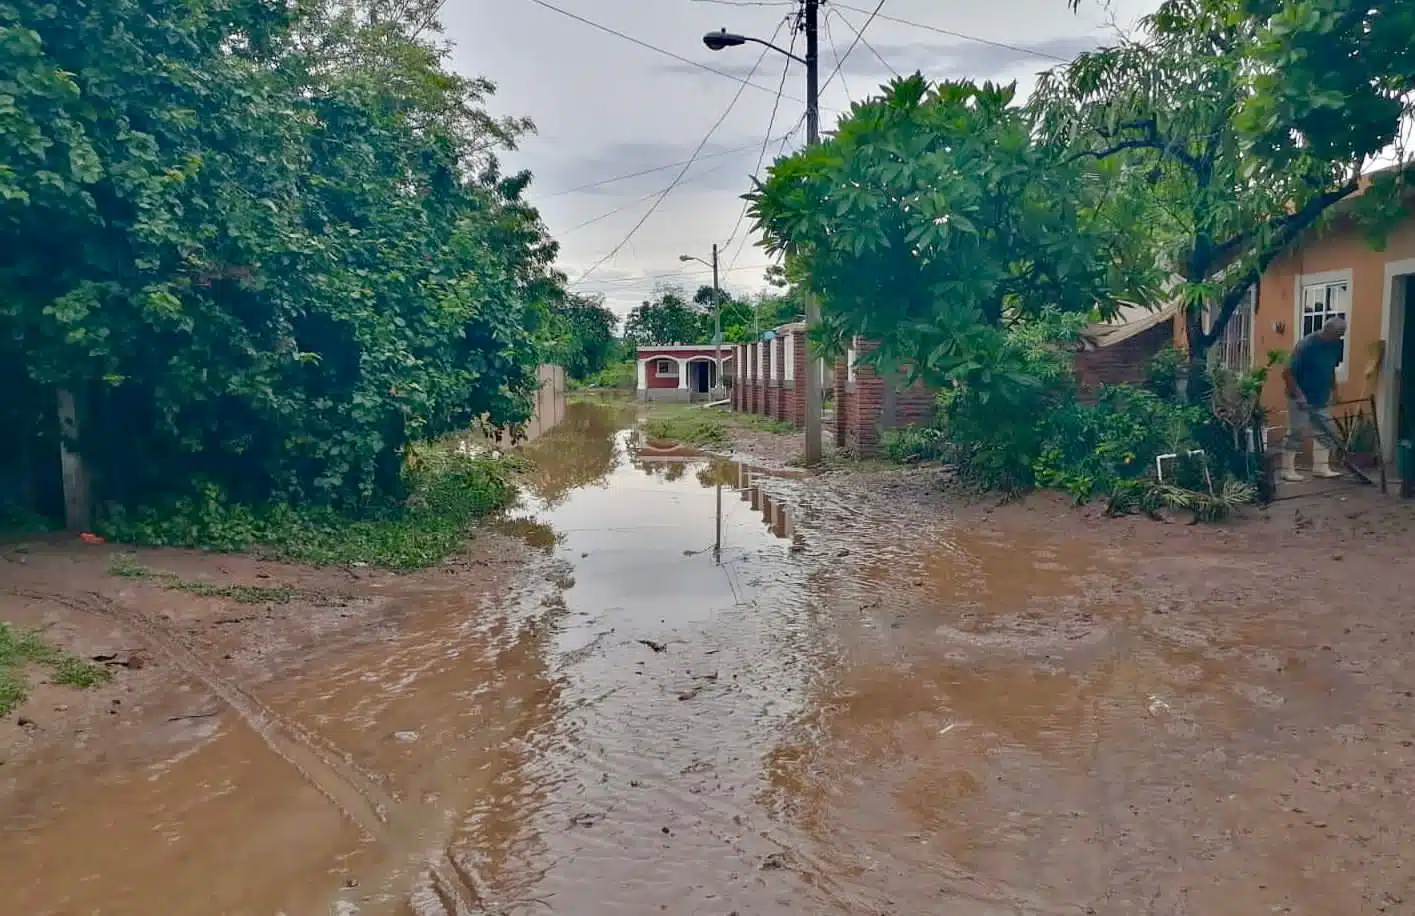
[{"x": 876, "y": 698}]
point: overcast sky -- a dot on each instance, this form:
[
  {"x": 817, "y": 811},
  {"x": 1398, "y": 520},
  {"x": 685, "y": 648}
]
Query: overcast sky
[{"x": 606, "y": 107}]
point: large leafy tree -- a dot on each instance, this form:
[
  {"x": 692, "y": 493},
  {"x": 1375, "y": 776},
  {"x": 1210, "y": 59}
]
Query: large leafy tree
[
  {"x": 266, "y": 245},
  {"x": 1232, "y": 117},
  {"x": 669, "y": 318},
  {"x": 583, "y": 335},
  {"x": 932, "y": 217}
]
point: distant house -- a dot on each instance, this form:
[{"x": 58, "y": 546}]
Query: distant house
[{"x": 682, "y": 372}]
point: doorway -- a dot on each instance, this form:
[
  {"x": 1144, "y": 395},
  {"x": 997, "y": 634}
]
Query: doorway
[
  {"x": 1395, "y": 391},
  {"x": 702, "y": 377}
]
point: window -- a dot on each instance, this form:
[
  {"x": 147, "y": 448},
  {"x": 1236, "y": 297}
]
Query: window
[
  {"x": 1234, "y": 350},
  {"x": 666, "y": 368},
  {"x": 1326, "y": 296},
  {"x": 790, "y": 356}
]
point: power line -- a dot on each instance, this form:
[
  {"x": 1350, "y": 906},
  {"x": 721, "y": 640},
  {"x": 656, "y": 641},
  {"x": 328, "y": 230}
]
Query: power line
[
  {"x": 675, "y": 275},
  {"x": 655, "y": 48},
  {"x": 691, "y": 159},
  {"x": 839, "y": 61},
  {"x": 766, "y": 140},
  {"x": 952, "y": 34},
  {"x": 644, "y": 197},
  {"x": 780, "y": 151},
  {"x": 658, "y": 168},
  {"x": 859, "y": 35}
]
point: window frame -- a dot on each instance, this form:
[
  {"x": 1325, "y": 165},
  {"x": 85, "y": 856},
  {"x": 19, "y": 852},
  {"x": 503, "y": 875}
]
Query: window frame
[
  {"x": 658, "y": 367},
  {"x": 1328, "y": 279}
]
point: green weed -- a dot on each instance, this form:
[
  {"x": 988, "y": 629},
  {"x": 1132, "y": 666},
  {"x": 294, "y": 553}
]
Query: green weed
[
  {"x": 22, "y": 649},
  {"x": 447, "y": 493}
]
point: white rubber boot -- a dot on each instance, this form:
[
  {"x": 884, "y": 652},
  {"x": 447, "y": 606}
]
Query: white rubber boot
[
  {"x": 1321, "y": 462},
  {"x": 1289, "y": 468}
]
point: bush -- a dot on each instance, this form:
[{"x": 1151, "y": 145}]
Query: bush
[
  {"x": 617, "y": 375},
  {"x": 448, "y": 493},
  {"x": 1011, "y": 421}
]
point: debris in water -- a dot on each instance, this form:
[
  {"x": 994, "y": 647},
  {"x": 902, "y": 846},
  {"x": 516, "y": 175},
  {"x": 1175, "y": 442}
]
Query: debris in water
[
  {"x": 586, "y": 819},
  {"x": 948, "y": 728},
  {"x": 774, "y": 861},
  {"x": 405, "y": 737},
  {"x": 656, "y": 646},
  {"x": 1157, "y": 706}
]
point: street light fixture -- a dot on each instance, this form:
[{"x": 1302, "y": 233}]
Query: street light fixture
[
  {"x": 716, "y": 41},
  {"x": 717, "y": 307},
  {"x": 810, "y": 21}
]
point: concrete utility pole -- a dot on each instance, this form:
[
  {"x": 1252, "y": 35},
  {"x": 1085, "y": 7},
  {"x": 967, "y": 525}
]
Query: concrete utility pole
[
  {"x": 810, "y": 23},
  {"x": 814, "y": 367},
  {"x": 717, "y": 318}
]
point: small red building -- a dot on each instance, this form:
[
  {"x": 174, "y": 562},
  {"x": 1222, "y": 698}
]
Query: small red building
[{"x": 682, "y": 372}]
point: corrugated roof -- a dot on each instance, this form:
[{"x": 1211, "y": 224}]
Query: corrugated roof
[{"x": 1130, "y": 320}]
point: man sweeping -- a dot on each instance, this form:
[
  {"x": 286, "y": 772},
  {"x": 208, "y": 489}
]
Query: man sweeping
[{"x": 1310, "y": 378}]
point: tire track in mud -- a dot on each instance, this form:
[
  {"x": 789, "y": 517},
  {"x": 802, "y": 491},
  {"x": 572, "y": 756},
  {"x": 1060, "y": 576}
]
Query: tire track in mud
[{"x": 356, "y": 794}]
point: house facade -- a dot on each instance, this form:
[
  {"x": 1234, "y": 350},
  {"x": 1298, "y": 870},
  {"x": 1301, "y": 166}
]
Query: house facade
[
  {"x": 1336, "y": 272},
  {"x": 682, "y": 372}
]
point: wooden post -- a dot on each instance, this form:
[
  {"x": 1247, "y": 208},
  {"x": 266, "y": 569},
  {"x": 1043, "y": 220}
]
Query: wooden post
[{"x": 76, "y": 507}]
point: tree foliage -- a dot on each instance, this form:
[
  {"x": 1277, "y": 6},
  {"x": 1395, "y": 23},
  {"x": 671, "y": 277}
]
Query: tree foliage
[
  {"x": 266, "y": 244},
  {"x": 582, "y": 331},
  {"x": 669, "y": 318},
  {"x": 1209, "y": 115},
  {"x": 932, "y": 217}
]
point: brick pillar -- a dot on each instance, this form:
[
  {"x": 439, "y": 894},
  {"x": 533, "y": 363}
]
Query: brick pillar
[
  {"x": 773, "y": 378},
  {"x": 798, "y": 378},
  {"x": 843, "y": 399},
  {"x": 867, "y": 406}
]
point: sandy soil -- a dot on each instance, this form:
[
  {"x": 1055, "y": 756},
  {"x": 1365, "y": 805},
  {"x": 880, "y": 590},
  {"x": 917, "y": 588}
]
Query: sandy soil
[{"x": 963, "y": 707}]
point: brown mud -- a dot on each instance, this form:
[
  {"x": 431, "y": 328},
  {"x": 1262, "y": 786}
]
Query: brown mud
[{"x": 864, "y": 696}]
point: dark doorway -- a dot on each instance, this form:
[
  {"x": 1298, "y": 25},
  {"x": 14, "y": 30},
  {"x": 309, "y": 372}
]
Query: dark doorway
[
  {"x": 702, "y": 377},
  {"x": 1405, "y": 380}
]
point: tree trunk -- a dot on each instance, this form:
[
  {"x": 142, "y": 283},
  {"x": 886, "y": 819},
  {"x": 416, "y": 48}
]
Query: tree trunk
[{"x": 1196, "y": 388}]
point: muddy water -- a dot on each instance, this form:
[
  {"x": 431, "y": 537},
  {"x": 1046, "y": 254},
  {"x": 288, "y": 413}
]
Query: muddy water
[{"x": 717, "y": 689}]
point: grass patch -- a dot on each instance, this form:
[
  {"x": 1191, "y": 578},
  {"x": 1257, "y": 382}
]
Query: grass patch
[
  {"x": 22, "y": 649},
  {"x": 763, "y": 424},
  {"x": 698, "y": 427},
  {"x": 448, "y": 493},
  {"x": 126, "y": 566}
]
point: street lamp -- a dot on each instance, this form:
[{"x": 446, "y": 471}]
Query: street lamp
[
  {"x": 717, "y": 307},
  {"x": 716, "y": 41}
]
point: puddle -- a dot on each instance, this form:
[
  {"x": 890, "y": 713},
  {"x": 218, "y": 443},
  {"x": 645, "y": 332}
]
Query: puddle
[{"x": 711, "y": 691}]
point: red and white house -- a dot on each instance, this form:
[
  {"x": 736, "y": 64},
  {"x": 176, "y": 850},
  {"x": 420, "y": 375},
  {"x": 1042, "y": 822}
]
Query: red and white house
[{"x": 682, "y": 372}]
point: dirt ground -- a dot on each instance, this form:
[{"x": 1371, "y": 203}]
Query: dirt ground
[{"x": 998, "y": 708}]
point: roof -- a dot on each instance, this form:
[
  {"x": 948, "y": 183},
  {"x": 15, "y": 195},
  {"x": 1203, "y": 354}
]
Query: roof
[{"x": 1129, "y": 321}]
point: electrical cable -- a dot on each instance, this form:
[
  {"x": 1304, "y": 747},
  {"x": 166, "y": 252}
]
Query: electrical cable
[
  {"x": 952, "y": 34},
  {"x": 839, "y": 61},
  {"x": 676, "y": 275},
  {"x": 878, "y": 56},
  {"x": 658, "y": 168},
  {"x": 655, "y": 48},
  {"x": 766, "y": 140},
  {"x": 691, "y": 159},
  {"x": 859, "y": 36}
]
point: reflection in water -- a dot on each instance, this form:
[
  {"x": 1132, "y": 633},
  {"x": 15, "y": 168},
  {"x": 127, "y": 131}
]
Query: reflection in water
[{"x": 580, "y": 452}]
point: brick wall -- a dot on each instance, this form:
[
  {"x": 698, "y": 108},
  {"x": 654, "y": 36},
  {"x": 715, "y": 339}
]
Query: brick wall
[
  {"x": 868, "y": 406},
  {"x": 1124, "y": 363}
]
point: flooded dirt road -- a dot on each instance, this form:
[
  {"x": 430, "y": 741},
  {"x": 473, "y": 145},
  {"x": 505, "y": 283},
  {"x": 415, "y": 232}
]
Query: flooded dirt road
[{"x": 675, "y": 684}]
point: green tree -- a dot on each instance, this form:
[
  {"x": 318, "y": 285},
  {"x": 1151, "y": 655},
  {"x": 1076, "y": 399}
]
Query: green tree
[
  {"x": 582, "y": 332},
  {"x": 1177, "y": 113},
  {"x": 931, "y": 217},
  {"x": 268, "y": 245},
  {"x": 669, "y": 318}
]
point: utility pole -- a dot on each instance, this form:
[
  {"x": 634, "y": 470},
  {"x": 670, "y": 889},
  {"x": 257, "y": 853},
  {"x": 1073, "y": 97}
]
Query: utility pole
[
  {"x": 814, "y": 401},
  {"x": 717, "y": 318}
]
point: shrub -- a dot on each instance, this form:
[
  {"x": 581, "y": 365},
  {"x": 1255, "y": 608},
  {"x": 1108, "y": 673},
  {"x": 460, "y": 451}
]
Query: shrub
[
  {"x": 448, "y": 492},
  {"x": 695, "y": 427},
  {"x": 616, "y": 375}
]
